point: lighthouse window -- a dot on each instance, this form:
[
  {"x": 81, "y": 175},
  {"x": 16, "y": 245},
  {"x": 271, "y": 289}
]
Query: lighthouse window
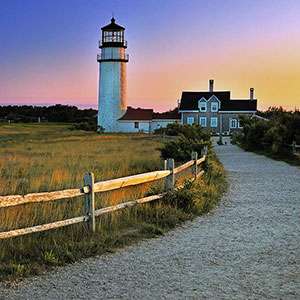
[
  {"x": 108, "y": 36},
  {"x": 114, "y": 36},
  {"x": 119, "y": 36},
  {"x": 136, "y": 125}
]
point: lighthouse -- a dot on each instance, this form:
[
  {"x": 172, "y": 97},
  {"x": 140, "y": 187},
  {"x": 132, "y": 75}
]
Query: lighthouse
[{"x": 112, "y": 77}]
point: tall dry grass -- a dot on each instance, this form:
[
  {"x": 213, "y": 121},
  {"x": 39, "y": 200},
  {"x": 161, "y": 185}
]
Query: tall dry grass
[{"x": 47, "y": 157}]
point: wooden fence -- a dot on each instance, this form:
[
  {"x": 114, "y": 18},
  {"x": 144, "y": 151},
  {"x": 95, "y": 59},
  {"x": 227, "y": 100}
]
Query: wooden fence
[{"x": 91, "y": 187}]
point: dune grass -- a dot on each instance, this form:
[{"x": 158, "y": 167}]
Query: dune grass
[{"x": 47, "y": 157}]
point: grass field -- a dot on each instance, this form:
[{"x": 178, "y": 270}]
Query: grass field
[{"x": 47, "y": 157}]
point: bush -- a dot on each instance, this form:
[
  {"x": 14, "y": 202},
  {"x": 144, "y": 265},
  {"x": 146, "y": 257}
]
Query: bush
[
  {"x": 90, "y": 125},
  {"x": 273, "y": 135},
  {"x": 191, "y": 138},
  {"x": 183, "y": 198},
  {"x": 236, "y": 137},
  {"x": 182, "y": 148},
  {"x": 189, "y": 131},
  {"x": 202, "y": 195}
]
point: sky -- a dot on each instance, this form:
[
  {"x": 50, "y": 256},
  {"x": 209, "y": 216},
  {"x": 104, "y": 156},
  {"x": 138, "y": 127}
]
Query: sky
[{"x": 48, "y": 50}]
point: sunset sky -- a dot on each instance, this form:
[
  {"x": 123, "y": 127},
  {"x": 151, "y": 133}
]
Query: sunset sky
[{"x": 48, "y": 49}]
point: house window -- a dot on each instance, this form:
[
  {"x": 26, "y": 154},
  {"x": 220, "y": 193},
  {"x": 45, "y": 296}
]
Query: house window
[
  {"x": 239, "y": 124},
  {"x": 203, "y": 106},
  {"x": 190, "y": 120},
  {"x": 136, "y": 125},
  {"x": 214, "y": 107},
  {"x": 233, "y": 123},
  {"x": 202, "y": 121},
  {"x": 214, "y": 122}
]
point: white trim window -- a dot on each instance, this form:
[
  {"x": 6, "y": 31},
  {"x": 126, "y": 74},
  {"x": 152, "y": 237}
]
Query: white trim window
[
  {"x": 233, "y": 123},
  {"x": 213, "y": 122},
  {"x": 190, "y": 120},
  {"x": 214, "y": 107},
  {"x": 202, "y": 121},
  {"x": 202, "y": 106},
  {"x": 239, "y": 124}
]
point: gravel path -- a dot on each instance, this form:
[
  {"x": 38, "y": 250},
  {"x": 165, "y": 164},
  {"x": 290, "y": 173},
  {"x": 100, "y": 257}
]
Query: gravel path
[{"x": 247, "y": 249}]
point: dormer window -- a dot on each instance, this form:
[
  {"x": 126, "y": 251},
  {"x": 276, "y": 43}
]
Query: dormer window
[
  {"x": 202, "y": 106},
  {"x": 214, "y": 106}
]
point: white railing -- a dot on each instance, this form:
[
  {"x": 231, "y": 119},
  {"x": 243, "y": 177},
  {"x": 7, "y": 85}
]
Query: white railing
[{"x": 123, "y": 44}]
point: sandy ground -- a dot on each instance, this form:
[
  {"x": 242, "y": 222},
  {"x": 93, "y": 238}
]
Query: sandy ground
[{"x": 248, "y": 248}]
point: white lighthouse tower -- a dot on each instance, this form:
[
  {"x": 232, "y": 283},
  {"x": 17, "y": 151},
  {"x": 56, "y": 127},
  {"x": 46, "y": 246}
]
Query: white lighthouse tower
[{"x": 112, "y": 77}]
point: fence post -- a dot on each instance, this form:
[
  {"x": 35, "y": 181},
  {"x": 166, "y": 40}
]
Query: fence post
[
  {"x": 89, "y": 203},
  {"x": 170, "y": 179},
  {"x": 165, "y": 164},
  {"x": 195, "y": 167}
]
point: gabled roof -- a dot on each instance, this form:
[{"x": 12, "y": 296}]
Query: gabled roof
[
  {"x": 189, "y": 100},
  {"x": 168, "y": 115},
  {"x": 139, "y": 114},
  {"x": 113, "y": 26}
]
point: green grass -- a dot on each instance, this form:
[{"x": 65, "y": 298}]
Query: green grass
[{"x": 45, "y": 157}]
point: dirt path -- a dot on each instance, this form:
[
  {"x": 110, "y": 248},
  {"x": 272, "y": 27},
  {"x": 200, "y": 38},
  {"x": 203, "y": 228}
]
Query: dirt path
[{"x": 248, "y": 248}]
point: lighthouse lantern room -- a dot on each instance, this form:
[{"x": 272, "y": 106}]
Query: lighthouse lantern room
[{"x": 112, "y": 77}]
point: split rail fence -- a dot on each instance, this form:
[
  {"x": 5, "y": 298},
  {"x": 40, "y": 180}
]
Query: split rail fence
[{"x": 91, "y": 187}]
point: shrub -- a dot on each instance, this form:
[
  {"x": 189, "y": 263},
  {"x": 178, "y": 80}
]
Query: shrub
[
  {"x": 90, "y": 125},
  {"x": 236, "y": 137},
  {"x": 50, "y": 258},
  {"x": 183, "y": 198},
  {"x": 182, "y": 148},
  {"x": 189, "y": 131},
  {"x": 191, "y": 138},
  {"x": 273, "y": 135}
]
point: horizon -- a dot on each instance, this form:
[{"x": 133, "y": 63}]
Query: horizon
[{"x": 52, "y": 56}]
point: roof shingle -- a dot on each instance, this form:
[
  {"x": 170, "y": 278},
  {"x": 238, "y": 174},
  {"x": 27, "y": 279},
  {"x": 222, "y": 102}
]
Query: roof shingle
[
  {"x": 189, "y": 101},
  {"x": 113, "y": 26},
  {"x": 168, "y": 115},
  {"x": 140, "y": 114}
]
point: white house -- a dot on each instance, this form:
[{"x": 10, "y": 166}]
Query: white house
[{"x": 146, "y": 120}]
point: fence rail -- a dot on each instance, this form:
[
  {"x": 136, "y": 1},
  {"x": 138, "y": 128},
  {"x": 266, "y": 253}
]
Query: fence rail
[{"x": 90, "y": 188}]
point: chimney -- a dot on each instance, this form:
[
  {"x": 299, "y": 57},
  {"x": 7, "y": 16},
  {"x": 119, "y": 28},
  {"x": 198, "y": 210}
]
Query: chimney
[
  {"x": 251, "y": 93},
  {"x": 211, "y": 85}
]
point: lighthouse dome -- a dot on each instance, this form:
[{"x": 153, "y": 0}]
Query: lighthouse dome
[{"x": 113, "y": 26}]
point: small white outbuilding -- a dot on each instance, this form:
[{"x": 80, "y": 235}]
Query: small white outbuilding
[{"x": 146, "y": 120}]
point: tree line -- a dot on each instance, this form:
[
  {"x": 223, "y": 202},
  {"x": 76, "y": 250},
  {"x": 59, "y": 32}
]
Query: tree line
[{"x": 54, "y": 113}]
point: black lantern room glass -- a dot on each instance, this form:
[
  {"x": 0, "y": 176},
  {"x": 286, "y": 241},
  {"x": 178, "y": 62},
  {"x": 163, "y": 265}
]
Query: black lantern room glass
[{"x": 113, "y": 34}]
